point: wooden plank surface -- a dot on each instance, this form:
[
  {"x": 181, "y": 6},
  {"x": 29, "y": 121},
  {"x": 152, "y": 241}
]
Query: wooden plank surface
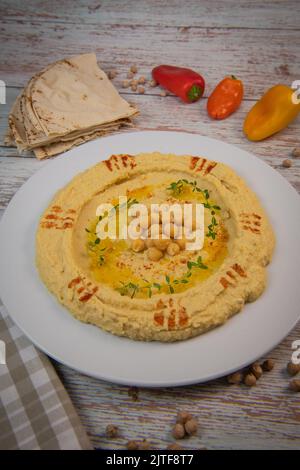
[
  {"x": 256, "y": 14},
  {"x": 215, "y": 52},
  {"x": 258, "y": 41}
]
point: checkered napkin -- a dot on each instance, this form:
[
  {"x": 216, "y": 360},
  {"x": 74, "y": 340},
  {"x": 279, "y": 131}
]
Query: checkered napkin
[{"x": 35, "y": 409}]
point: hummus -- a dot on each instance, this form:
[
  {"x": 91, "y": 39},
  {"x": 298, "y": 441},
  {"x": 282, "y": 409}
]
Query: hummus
[{"x": 179, "y": 295}]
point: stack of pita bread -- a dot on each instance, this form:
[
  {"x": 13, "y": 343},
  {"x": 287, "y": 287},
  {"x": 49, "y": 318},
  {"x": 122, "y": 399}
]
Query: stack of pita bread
[{"x": 68, "y": 103}]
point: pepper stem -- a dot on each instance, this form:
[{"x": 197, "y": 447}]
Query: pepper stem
[{"x": 194, "y": 93}]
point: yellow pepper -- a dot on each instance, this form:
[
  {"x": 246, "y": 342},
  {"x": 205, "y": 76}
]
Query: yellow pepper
[{"x": 273, "y": 112}]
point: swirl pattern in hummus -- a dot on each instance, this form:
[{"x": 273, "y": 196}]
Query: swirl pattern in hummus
[{"x": 126, "y": 294}]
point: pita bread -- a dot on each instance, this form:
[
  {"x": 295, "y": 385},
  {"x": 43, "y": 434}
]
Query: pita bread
[
  {"x": 66, "y": 102},
  {"x": 62, "y": 146}
]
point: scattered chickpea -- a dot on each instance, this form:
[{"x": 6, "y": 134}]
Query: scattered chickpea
[
  {"x": 133, "y": 69},
  {"x": 250, "y": 380},
  {"x": 144, "y": 445},
  {"x": 174, "y": 446},
  {"x": 183, "y": 417},
  {"x": 292, "y": 368},
  {"x": 296, "y": 152},
  {"x": 295, "y": 385},
  {"x": 235, "y": 378},
  {"x": 141, "y": 90},
  {"x": 138, "y": 245},
  {"x": 163, "y": 93},
  {"x": 129, "y": 75},
  {"x": 154, "y": 254},
  {"x": 191, "y": 427},
  {"x": 132, "y": 445},
  {"x": 287, "y": 163},
  {"x": 142, "y": 80},
  {"x": 133, "y": 87},
  {"x": 112, "y": 431},
  {"x": 268, "y": 365},
  {"x": 178, "y": 431},
  {"x": 153, "y": 83},
  {"x": 125, "y": 84},
  {"x": 134, "y": 82},
  {"x": 173, "y": 249},
  {"x": 112, "y": 74},
  {"x": 256, "y": 370}
]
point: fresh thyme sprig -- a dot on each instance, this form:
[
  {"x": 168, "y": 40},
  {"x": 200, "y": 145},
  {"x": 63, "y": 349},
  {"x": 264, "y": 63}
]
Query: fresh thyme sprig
[
  {"x": 129, "y": 289},
  {"x": 132, "y": 288},
  {"x": 196, "y": 264},
  {"x": 175, "y": 282},
  {"x": 178, "y": 186},
  {"x": 212, "y": 228},
  {"x": 130, "y": 202}
]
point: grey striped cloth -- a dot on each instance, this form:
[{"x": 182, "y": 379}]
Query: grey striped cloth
[{"x": 35, "y": 409}]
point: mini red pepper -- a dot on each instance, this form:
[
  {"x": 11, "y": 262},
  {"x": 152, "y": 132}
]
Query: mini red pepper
[
  {"x": 226, "y": 98},
  {"x": 184, "y": 83}
]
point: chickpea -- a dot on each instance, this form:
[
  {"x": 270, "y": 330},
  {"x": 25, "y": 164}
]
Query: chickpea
[
  {"x": 161, "y": 244},
  {"x": 235, "y": 378},
  {"x": 173, "y": 249},
  {"x": 292, "y": 368},
  {"x": 155, "y": 230},
  {"x": 183, "y": 417},
  {"x": 191, "y": 427},
  {"x": 256, "y": 370},
  {"x": 149, "y": 242},
  {"x": 268, "y": 365},
  {"x": 287, "y": 163},
  {"x": 177, "y": 218},
  {"x": 154, "y": 254},
  {"x": 154, "y": 218},
  {"x": 132, "y": 445},
  {"x": 133, "y": 69},
  {"x": 138, "y": 245},
  {"x": 181, "y": 242},
  {"x": 178, "y": 431},
  {"x": 250, "y": 380},
  {"x": 296, "y": 152},
  {"x": 171, "y": 230},
  {"x": 145, "y": 221},
  {"x": 295, "y": 385},
  {"x": 191, "y": 222},
  {"x": 112, "y": 431}
]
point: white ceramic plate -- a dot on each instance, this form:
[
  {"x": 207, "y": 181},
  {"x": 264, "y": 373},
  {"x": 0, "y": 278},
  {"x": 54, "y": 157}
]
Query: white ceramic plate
[{"x": 243, "y": 339}]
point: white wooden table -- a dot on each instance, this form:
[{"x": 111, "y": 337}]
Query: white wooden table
[{"x": 257, "y": 41}]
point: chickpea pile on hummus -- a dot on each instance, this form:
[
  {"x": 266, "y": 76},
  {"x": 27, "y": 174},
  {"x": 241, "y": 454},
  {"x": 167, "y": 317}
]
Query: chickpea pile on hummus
[{"x": 153, "y": 286}]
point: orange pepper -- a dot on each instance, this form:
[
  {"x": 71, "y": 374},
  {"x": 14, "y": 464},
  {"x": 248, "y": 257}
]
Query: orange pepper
[
  {"x": 226, "y": 98},
  {"x": 273, "y": 112}
]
